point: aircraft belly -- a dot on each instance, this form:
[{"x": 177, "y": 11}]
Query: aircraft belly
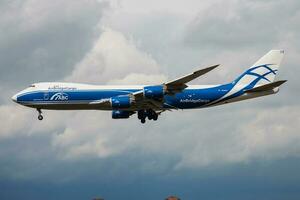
[{"x": 68, "y": 106}]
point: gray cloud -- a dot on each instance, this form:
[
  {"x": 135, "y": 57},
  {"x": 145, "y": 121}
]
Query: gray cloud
[
  {"x": 43, "y": 41},
  {"x": 112, "y": 58},
  {"x": 240, "y": 24}
]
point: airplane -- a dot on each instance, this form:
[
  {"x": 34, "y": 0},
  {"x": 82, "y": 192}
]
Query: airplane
[{"x": 149, "y": 101}]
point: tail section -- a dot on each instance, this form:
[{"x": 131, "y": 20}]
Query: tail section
[
  {"x": 263, "y": 71},
  {"x": 257, "y": 81}
]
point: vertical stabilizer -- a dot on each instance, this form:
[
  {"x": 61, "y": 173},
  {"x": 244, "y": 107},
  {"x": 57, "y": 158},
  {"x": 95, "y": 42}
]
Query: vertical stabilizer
[{"x": 263, "y": 71}]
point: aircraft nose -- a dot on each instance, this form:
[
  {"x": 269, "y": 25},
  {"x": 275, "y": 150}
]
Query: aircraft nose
[{"x": 14, "y": 98}]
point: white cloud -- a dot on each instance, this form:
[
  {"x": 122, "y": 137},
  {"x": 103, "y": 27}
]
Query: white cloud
[
  {"x": 31, "y": 15},
  {"x": 143, "y": 79},
  {"x": 13, "y": 121},
  {"x": 77, "y": 135},
  {"x": 267, "y": 134},
  {"x": 114, "y": 57},
  {"x": 17, "y": 121},
  {"x": 89, "y": 133},
  {"x": 197, "y": 138},
  {"x": 274, "y": 133}
]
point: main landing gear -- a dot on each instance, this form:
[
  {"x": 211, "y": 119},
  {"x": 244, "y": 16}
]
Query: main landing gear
[
  {"x": 149, "y": 113},
  {"x": 40, "y": 116}
]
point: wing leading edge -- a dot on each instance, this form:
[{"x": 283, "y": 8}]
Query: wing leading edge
[
  {"x": 140, "y": 101},
  {"x": 181, "y": 82},
  {"x": 177, "y": 85}
]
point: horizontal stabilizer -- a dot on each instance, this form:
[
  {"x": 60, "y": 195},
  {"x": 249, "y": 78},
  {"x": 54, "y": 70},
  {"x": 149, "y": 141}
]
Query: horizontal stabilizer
[{"x": 266, "y": 87}]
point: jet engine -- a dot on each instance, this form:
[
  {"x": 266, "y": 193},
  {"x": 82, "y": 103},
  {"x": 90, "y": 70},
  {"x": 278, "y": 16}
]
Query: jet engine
[
  {"x": 121, "y": 114},
  {"x": 154, "y": 92},
  {"x": 120, "y": 102}
]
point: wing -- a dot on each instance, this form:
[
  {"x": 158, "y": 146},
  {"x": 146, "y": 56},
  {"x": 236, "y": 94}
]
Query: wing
[
  {"x": 177, "y": 85},
  {"x": 139, "y": 101},
  {"x": 171, "y": 87},
  {"x": 180, "y": 83}
]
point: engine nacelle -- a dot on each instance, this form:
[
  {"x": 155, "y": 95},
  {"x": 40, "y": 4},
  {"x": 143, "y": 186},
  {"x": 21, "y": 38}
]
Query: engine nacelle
[
  {"x": 120, "y": 114},
  {"x": 120, "y": 102},
  {"x": 154, "y": 92}
]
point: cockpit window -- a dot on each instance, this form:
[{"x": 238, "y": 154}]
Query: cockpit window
[{"x": 32, "y": 85}]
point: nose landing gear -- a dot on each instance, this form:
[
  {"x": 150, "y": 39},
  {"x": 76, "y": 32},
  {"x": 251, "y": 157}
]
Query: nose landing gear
[{"x": 40, "y": 116}]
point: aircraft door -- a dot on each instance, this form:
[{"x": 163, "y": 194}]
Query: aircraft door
[{"x": 46, "y": 96}]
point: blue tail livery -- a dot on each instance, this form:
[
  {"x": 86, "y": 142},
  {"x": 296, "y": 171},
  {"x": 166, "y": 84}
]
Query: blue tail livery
[{"x": 149, "y": 101}]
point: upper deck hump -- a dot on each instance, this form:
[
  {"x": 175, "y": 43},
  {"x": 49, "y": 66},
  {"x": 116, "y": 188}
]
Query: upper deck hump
[{"x": 83, "y": 86}]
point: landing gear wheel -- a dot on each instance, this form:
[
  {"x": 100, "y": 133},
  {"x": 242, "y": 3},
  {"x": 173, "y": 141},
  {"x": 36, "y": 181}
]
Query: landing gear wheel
[
  {"x": 155, "y": 117},
  {"x": 149, "y": 114},
  {"x": 141, "y": 114},
  {"x": 40, "y": 117},
  {"x": 143, "y": 120}
]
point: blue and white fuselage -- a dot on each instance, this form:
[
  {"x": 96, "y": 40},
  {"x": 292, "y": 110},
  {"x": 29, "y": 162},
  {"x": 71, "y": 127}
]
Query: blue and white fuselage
[
  {"x": 65, "y": 96},
  {"x": 148, "y": 101}
]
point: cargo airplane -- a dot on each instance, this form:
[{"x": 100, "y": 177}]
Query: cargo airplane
[{"x": 149, "y": 101}]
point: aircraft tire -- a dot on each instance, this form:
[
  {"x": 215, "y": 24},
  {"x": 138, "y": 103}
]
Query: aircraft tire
[{"x": 40, "y": 117}]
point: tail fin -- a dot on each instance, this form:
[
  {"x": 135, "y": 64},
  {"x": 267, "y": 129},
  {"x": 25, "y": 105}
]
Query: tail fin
[{"x": 263, "y": 71}]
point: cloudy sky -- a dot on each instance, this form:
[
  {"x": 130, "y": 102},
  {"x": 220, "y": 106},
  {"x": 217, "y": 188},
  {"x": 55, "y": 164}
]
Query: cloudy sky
[{"x": 247, "y": 150}]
